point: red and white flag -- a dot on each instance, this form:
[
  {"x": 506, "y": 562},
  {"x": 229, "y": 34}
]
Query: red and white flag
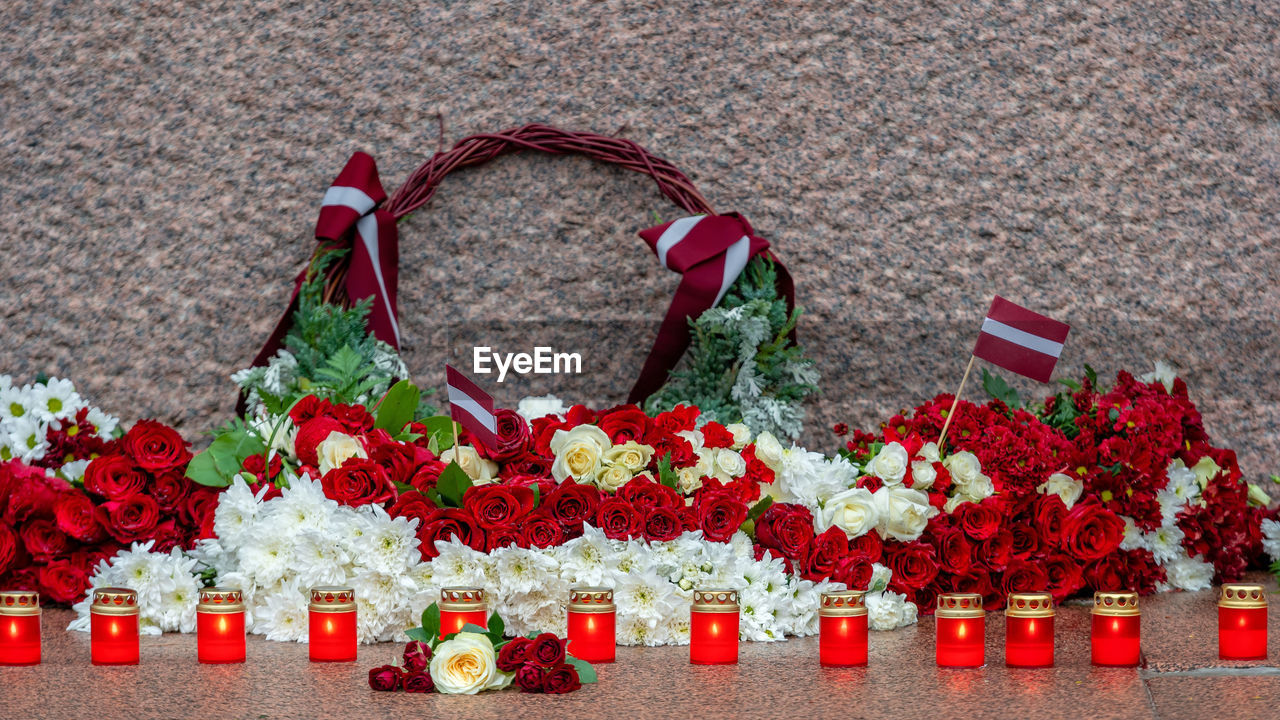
[
  {"x": 1020, "y": 340},
  {"x": 471, "y": 407}
]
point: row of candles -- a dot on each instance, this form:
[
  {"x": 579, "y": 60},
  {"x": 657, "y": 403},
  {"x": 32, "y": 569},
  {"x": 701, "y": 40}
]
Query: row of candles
[{"x": 714, "y": 618}]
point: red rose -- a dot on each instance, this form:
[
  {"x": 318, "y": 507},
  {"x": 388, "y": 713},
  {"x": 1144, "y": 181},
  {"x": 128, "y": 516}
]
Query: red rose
[
  {"x": 1090, "y": 532},
  {"x": 955, "y": 551},
  {"x": 1064, "y": 576},
  {"x": 528, "y": 465},
  {"x": 500, "y": 537},
  {"x": 416, "y": 656},
  {"x": 644, "y": 494},
  {"x": 547, "y": 650},
  {"x": 572, "y": 504},
  {"x": 868, "y": 546},
  {"x": 561, "y": 679},
  {"x": 514, "y": 654},
  {"x": 311, "y": 434},
  {"x": 412, "y": 504},
  {"x": 515, "y": 437},
  {"x": 996, "y": 550},
  {"x": 1023, "y": 576},
  {"x": 826, "y": 551},
  {"x": 43, "y": 539},
  {"x": 418, "y": 682},
  {"x": 625, "y": 423},
  {"x": 10, "y": 548},
  {"x": 354, "y": 418},
  {"x": 855, "y": 572},
  {"x": 977, "y": 580},
  {"x": 497, "y": 505},
  {"x": 662, "y": 524},
  {"x": 544, "y": 428},
  {"x": 540, "y": 530},
  {"x": 171, "y": 488},
  {"x": 199, "y": 507},
  {"x": 78, "y": 517},
  {"x": 1026, "y": 541},
  {"x": 787, "y": 528},
  {"x": 63, "y": 581},
  {"x": 155, "y": 446},
  {"x": 618, "y": 519},
  {"x": 1049, "y": 514},
  {"x": 446, "y": 524},
  {"x": 131, "y": 519},
  {"x": 681, "y": 417},
  {"x": 400, "y": 460},
  {"x": 529, "y": 677},
  {"x": 978, "y": 520},
  {"x": 720, "y": 515},
  {"x": 385, "y": 678},
  {"x": 715, "y": 435},
  {"x": 358, "y": 482},
  {"x": 914, "y": 565},
  {"x": 113, "y": 477}
]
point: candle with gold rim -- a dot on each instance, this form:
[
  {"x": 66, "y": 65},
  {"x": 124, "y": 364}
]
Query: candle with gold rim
[
  {"x": 1117, "y": 629},
  {"x": 1028, "y": 633},
  {"x": 961, "y": 630},
  {"x": 19, "y": 627},
  {"x": 113, "y": 627},
  {"x": 592, "y": 624},
  {"x": 713, "y": 627},
  {"x": 220, "y": 626},
  {"x": 842, "y": 629},
  {"x": 460, "y": 606},
  {"x": 1242, "y": 622},
  {"x": 332, "y": 624}
]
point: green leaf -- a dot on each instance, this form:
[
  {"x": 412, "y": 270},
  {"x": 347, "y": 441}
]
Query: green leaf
[
  {"x": 397, "y": 406},
  {"x": 453, "y": 484},
  {"x": 537, "y": 494},
  {"x": 403, "y": 487},
  {"x": 496, "y": 627},
  {"x": 758, "y": 509},
  {"x": 997, "y": 388},
  {"x": 1091, "y": 375},
  {"x": 586, "y": 673},
  {"x": 473, "y": 628},
  {"x": 431, "y": 622},
  {"x": 1070, "y": 384},
  {"x": 434, "y": 497},
  {"x": 201, "y": 470},
  {"x": 666, "y": 475},
  {"x": 1275, "y": 479},
  {"x": 420, "y": 635},
  {"x": 440, "y": 430}
]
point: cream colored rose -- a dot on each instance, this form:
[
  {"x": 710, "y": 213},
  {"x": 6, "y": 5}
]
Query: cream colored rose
[
  {"x": 482, "y": 471},
  {"x": 612, "y": 476},
  {"x": 1064, "y": 486},
  {"x": 923, "y": 474},
  {"x": 631, "y": 455},
  {"x": 741, "y": 435},
  {"x": 337, "y": 449},
  {"x": 729, "y": 464},
  {"x": 467, "y": 664},
  {"x": 954, "y": 502},
  {"x": 929, "y": 451},
  {"x": 695, "y": 438},
  {"x": 578, "y": 452},
  {"x": 963, "y": 466},
  {"x": 689, "y": 479},
  {"x": 853, "y": 511},
  {"x": 890, "y": 464},
  {"x": 769, "y": 450},
  {"x": 903, "y": 511}
]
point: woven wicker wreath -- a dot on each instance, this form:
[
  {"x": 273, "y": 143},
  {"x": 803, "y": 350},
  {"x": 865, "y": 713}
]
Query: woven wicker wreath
[{"x": 709, "y": 250}]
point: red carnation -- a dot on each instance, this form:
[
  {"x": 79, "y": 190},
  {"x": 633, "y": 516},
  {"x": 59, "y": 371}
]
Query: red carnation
[
  {"x": 77, "y": 516},
  {"x": 618, "y": 519},
  {"x": 715, "y": 435},
  {"x": 681, "y": 417},
  {"x": 358, "y": 482},
  {"x": 113, "y": 477},
  {"x": 155, "y": 446}
]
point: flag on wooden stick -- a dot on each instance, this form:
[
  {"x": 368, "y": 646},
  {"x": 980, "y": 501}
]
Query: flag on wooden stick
[
  {"x": 471, "y": 407},
  {"x": 1020, "y": 340}
]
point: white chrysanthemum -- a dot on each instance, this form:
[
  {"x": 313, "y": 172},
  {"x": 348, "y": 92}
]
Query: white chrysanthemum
[
  {"x": 14, "y": 403},
  {"x": 55, "y": 400},
  {"x": 633, "y": 630},
  {"x": 808, "y": 478},
  {"x": 301, "y": 506},
  {"x": 1271, "y": 539},
  {"x": 381, "y": 601},
  {"x": 1165, "y": 543},
  {"x": 318, "y": 560},
  {"x": 1188, "y": 573},
  {"x": 105, "y": 423},
  {"x": 282, "y": 614},
  {"x": 388, "y": 545},
  {"x": 584, "y": 559},
  {"x": 888, "y": 610},
  {"x": 1133, "y": 538},
  {"x": 28, "y": 438},
  {"x": 267, "y": 553},
  {"x": 457, "y": 565},
  {"x": 646, "y": 596},
  {"x": 168, "y": 589},
  {"x": 521, "y": 570},
  {"x": 73, "y": 471},
  {"x": 236, "y": 513}
]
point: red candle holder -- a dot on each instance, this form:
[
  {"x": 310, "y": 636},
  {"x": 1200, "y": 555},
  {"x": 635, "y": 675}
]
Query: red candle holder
[
  {"x": 962, "y": 631},
  {"x": 592, "y": 624},
  {"x": 19, "y": 627},
  {"x": 113, "y": 627},
  {"x": 1242, "y": 622},
  {"x": 332, "y": 624},
  {"x": 460, "y": 606},
  {"x": 1117, "y": 629},
  {"x": 842, "y": 629},
  {"x": 1028, "y": 634},
  {"x": 220, "y": 626},
  {"x": 713, "y": 627}
]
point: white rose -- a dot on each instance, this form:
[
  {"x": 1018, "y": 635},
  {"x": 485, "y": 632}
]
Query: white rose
[
  {"x": 1064, "y": 486},
  {"x": 578, "y": 452},
  {"x": 741, "y": 435},
  {"x": 769, "y": 450},
  {"x": 467, "y": 664},
  {"x": 612, "y": 476},
  {"x": 730, "y": 463},
  {"x": 482, "y": 471},
  {"x": 631, "y": 454},
  {"x": 923, "y": 475},
  {"x": 689, "y": 479},
  {"x": 930, "y": 452},
  {"x": 532, "y": 408},
  {"x": 890, "y": 464},
  {"x": 695, "y": 438},
  {"x": 963, "y": 466},
  {"x": 979, "y": 487},
  {"x": 337, "y": 449},
  {"x": 903, "y": 511},
  {"x": 853, "y": 511}
]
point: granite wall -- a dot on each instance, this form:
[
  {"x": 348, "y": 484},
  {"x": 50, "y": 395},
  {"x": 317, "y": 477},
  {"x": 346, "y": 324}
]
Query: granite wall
[{"x": 1112, "y": 164}]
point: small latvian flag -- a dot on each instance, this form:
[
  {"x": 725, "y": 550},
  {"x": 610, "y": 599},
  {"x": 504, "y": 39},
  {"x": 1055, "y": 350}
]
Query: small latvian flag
[
  {"x": 1020, "y": 340},
  {"x": 471, "y": 407}
]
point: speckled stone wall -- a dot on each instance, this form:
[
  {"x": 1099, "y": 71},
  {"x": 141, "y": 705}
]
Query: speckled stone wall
[{"x": 1112, "y": 164}]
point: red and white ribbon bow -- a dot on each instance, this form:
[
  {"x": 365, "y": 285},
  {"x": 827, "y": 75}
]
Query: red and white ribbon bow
[
  {"x": 350, "y": 217},
  {"x": 710, "y": 251}
]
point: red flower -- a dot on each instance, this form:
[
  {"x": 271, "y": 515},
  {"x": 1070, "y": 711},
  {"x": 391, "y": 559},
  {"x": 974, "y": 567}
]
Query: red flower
[
  {"x": 572, "y": 504},
  {"x": 498, "y": 505},
  {"x": 113, "y": 477},
  {"x": 170, "y": 488},
  {"x": 130, "y": 520},
  {"x": 1050, "y": 511},
  {"x": 625, "y": 423},
  {"x": 412, "y": 504},
  {"x": 547, "y": 650},
  {"x": 681, "y": 417},
  {"x": 416, "y": 656},
  {"x": 500, "y": 537},
  {"x": 996, "y": 550},
  {"x": 1023, "y": 576},
  {"x": 77, "y": 516},
  {"x": 311, "y": 434},
  {"x": 787, "y": 528},
  {"x": 855, "y": 572},
  {"x": 1089, "y": 532},
  {"x": 358, "y": 482},
  {"x": 715, "y": 435},
  {"x": 561, "y": 679},
  {"x": 63, "y": 581},
  {"x": 914, "y": 565},
  {"x": 955, "y": 551},
  {"x": 10, "y": 548},
  {"x": 868, "y": 546},
  {"x": 446, "y": 524},
  {"x": 385, "y": 678},
  {"x": 198, "y": 509},
  {"x": 418, "y": 682},
  {"x": 662, "y": 524},
  {"x": 1063, "y": 576},
  {"x": 155, "y": 446},
  {"x": 43, "y": 539},
  {"x": 646, "y": 494},
  {"x": 978, "y": 520},
  {"x": 514, "y": 654},
  {"x": 824, "y": 553},
  {"x": 720, "y": 515},
  {"x": 540, "y": 530},
  {"x": 529, "y": 677},
  {"x": 515, "y": 437},
  {"x": 618, "y": 519}
]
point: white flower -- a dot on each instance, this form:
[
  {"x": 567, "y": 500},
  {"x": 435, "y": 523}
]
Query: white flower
[
  {"x": 929, "y": 451},
  {"x": 482, "y": 471},
  {"x": 741, "y": 435},
  {"x": 890, "y": 464},
  {"x": 1164, "y": 374},
  {"x": 729, "y": 464},
  {"x": 237, "y": 511},
  {"x": 521, "y": 570},
  {"x": 532, "y": 408},
  {"x": 55, "y": 400},
  {"x": 282, "y": 615},
  {"x": 467, "y": 664},
  {"x": 389, "y": 545},
  {"x": 29, "y": 438},
  {"x": 105, "y": 423},
  {"x": 585, "y": 559},
  {"x": 337, "y": 449},
  {"x": 610, "y": 477},
  {"x": 808, "y": 478},
  {"x": 267, "y": 553},
  {"x": 903, "y": 512},
  {"x": 769, "y": 450},
  {"x": 13, "y": 402},
  {"x": 889, "y": 610},
  {"x": 854, "y": 511},
  {"x": 964, "y": 467},
  {"x": 1133, "y": 538},
  {"x": 1165, "y": 543},
  {"x": 1064, "y": 486},
  {"x": 1190, "y": 573},
  {"x": 166, "y": 586},
  {"x": 646, "y": 596},
  {"x": 632, "y": 455},
  {"x": 578, "y": 452},
  {"x": 301, "y": 506},
  {"x": 923, "y": 474}
]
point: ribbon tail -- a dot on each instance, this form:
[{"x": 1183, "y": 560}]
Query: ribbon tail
[
  {"x": 695, "y": 295},
  {"x": 375, "y": 259}
]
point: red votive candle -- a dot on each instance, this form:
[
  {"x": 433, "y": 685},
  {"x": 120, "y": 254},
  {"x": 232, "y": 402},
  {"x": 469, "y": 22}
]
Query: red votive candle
[
  {"x": 332, "y": 624},
  {"x": 113, "y": 627},
  {"x": 713, "y": 627},
  {"x": 592, "y": 624},
  {"x": 460, "y": 606},
  {"x": 842, "y": 629},
  {"x": 962, "y": 630},
  {"x": 220, "y": 626},
  {"x": 1242, "y": 622},
  {"x": 19, "y": 627},
  {"x": 1117, "y": 629},
  {"x": 1028, "y": 630}
]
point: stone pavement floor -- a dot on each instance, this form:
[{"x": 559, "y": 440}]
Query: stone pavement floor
[{"x": 1181, "y": 678}]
